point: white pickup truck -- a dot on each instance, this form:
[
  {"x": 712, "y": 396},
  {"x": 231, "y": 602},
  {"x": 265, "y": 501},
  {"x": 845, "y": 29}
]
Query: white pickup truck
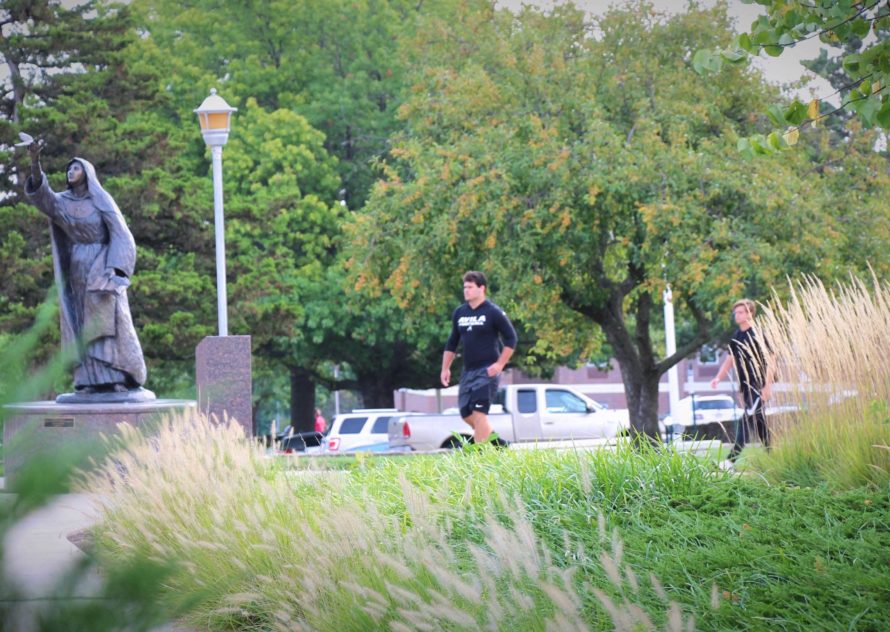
[{"x": 522, "y": 412}]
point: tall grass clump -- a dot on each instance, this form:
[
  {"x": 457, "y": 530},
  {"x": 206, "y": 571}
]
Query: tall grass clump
[
  {"x": 269, "y": 548},
  {"x": 831, "y": 350}
]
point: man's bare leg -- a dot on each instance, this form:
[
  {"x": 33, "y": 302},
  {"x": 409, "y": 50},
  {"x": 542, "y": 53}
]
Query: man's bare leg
[{"x": 481, "y": 427}]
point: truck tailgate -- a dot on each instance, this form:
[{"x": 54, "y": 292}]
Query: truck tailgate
[{"x": 431, "y": 432}]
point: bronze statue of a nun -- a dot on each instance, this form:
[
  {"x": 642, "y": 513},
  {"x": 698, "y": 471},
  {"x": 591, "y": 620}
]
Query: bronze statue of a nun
[{"x": 94, "y": 255}]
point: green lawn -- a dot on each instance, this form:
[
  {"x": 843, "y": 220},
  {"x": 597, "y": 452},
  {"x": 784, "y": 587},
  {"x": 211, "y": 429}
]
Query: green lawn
[{"x": 787, "y": 557}]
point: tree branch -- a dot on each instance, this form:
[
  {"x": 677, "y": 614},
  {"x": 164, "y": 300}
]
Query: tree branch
[
  {"x": 339, "y": 384},
  {"x": 572, "y": 301},
  {"x": 828, "y": 29}
]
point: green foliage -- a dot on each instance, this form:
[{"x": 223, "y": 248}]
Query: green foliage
[
  {"x": 860, "y": 28},
  {"x": 282, "y": 223},
  {"x": 317, "y": 84},
  {"x": 333, "y": 61}
]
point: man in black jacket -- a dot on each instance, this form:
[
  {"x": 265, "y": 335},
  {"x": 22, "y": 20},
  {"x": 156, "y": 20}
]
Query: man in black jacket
[
  {"x": 748, "y": 356},
  {"x": 481, "y": 325}
]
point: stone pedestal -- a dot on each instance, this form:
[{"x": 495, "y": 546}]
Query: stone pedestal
[
  {"x": 223, "y": 377},
  {"x": 39, "y": 427}
]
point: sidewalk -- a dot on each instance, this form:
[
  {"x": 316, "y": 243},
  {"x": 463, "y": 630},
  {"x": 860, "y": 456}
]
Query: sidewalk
[{"x": 37, "y": 555}]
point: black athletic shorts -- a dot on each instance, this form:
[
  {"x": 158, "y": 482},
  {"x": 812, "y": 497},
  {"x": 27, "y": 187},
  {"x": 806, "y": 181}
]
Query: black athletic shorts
[{"x": 477, "y": 391}]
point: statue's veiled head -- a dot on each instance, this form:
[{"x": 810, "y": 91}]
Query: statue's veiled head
[
  {"x": 76, "y": 173},
  {"x": 80, "y": 171}
]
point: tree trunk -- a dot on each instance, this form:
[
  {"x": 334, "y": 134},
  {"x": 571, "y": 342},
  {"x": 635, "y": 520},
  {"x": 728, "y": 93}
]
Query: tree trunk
[
  {"x": 638, "y": 371},
  {"x": 302, "y": 400},
  {"x": 641, "y": 371},
  {"x": 18, "y": 86},
  {"x": 641, "y": 391},
  {"x": 377, "y": 389}
]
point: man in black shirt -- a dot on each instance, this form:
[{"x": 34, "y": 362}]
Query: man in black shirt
[
  {"x": 746, "y": 353},
  {"x": 480, "y": 324}
]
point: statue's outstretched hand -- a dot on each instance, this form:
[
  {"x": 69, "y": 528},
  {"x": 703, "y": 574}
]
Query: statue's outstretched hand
[{"x": 34, "y": 145}]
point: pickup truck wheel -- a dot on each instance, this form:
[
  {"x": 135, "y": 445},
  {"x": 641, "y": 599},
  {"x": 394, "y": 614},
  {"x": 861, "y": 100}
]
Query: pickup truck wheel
[{"x": 453, "y": 443}]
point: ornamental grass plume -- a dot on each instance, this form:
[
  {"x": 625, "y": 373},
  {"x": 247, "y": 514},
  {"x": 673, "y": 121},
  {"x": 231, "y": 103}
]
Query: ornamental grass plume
[
  {"x": 267, "y": 548},
  {"x": 830, "y": 350}
]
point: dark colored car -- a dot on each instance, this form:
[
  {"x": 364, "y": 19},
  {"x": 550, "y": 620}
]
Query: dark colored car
[{"x": 299, "y": 442}]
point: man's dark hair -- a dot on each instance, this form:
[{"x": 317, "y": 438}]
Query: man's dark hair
[{"x": 475, "y": 277}]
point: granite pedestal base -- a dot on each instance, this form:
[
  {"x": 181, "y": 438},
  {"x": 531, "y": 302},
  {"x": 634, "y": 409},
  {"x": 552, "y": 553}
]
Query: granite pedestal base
[
  {"x": 223, "y": 378},
  {"x": 40, "y": 427}
]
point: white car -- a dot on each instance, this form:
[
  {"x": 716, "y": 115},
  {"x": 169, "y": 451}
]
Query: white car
[
  {"x": 362, "y": 427},
  {"x": 698, "y": 410}
]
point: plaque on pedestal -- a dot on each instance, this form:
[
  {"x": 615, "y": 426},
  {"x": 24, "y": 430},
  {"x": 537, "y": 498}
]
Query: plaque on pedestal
[{"x": 38, "y": 427}]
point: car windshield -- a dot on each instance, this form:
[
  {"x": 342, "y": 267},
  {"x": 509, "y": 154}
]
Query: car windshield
[{"x": 564, "y": 402}]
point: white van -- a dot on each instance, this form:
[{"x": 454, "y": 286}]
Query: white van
[{"x": 362, "y": 427}]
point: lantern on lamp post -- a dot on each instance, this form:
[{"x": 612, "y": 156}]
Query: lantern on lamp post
[{"x": 215, "y": 116}]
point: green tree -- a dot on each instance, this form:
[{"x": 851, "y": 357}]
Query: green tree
[
  {"x": 335, "y": 64},
  {"x": 333, "y": 61},
  {"x": 283, "y": 225},
  {"x": 584, "y": 173}
]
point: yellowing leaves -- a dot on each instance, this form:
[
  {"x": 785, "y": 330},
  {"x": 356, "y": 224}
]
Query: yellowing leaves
[
  {"x": 491, "y": 241},
  {"x": 537, "y": 63},
  {"x": 813, "y": 111},
  {"x": 559, "y": 161}
]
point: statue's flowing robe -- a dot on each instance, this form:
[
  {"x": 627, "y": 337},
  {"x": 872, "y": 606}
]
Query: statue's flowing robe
[{"x": 89, "y": 235}]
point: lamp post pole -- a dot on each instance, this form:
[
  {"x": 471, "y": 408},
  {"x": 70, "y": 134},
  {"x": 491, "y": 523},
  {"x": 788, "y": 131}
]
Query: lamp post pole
[
  {"x": 215, "y": 115},
  {"x": 671, "y": 348},
  {"x": 221, "y": 297}
]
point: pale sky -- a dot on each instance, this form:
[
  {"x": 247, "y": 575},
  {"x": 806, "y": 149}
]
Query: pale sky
[{"x": 780, "y": 70}]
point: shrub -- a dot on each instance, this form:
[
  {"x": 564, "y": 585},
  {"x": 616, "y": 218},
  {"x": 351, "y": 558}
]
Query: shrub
[
  {"x": 485, "y": 538},
  {"x": 268, "y": 548},
  {"x": 830, "y": 347}
]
